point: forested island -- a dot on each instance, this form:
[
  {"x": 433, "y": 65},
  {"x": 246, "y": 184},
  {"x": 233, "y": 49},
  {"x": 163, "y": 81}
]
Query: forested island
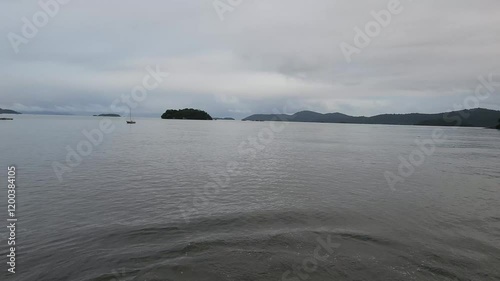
[
  {"x": 8, "y": 111},
  {"x": 187, "y": 113},
  {"x": 478, "y": 117},
  {"x": 108, "y": 115}
]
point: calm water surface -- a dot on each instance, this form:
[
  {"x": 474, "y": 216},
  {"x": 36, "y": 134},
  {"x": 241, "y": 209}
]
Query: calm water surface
[{"x": 208, "y": 200}]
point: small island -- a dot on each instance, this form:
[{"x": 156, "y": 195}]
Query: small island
[
  {"x": 187, "y": 113},
  {"x": 8, "y": 111},
  {"x": 225, "y": 118},
  {"x": 108, "y": 115}
]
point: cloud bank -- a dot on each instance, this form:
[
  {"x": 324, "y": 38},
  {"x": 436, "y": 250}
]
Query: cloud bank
[{"x": 261, "y": 55}]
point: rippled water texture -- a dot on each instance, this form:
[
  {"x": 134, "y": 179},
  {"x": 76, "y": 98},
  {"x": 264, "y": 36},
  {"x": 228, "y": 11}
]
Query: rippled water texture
[{"x": 196, "y": 200}]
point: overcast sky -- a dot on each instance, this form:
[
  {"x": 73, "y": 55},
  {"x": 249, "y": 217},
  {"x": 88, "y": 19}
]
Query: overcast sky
[{"x": 263, "y": 54}]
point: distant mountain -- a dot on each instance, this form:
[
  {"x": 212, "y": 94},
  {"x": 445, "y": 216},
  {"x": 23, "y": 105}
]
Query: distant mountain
[
  {"x": 8, "y": 111},
  {"x": 478, "y": 117},
  {"x": 48, "y": 113},
  {"x": 108, "y": 115}
]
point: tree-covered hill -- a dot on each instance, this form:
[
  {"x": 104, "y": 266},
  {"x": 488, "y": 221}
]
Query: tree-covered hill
[
  {"x": 187, "y": 113},
  {"x": 8, "y": 111}
]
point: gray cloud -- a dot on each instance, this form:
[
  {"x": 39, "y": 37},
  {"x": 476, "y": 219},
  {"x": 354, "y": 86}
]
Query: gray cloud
[{"x": 263, "y": 54}]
